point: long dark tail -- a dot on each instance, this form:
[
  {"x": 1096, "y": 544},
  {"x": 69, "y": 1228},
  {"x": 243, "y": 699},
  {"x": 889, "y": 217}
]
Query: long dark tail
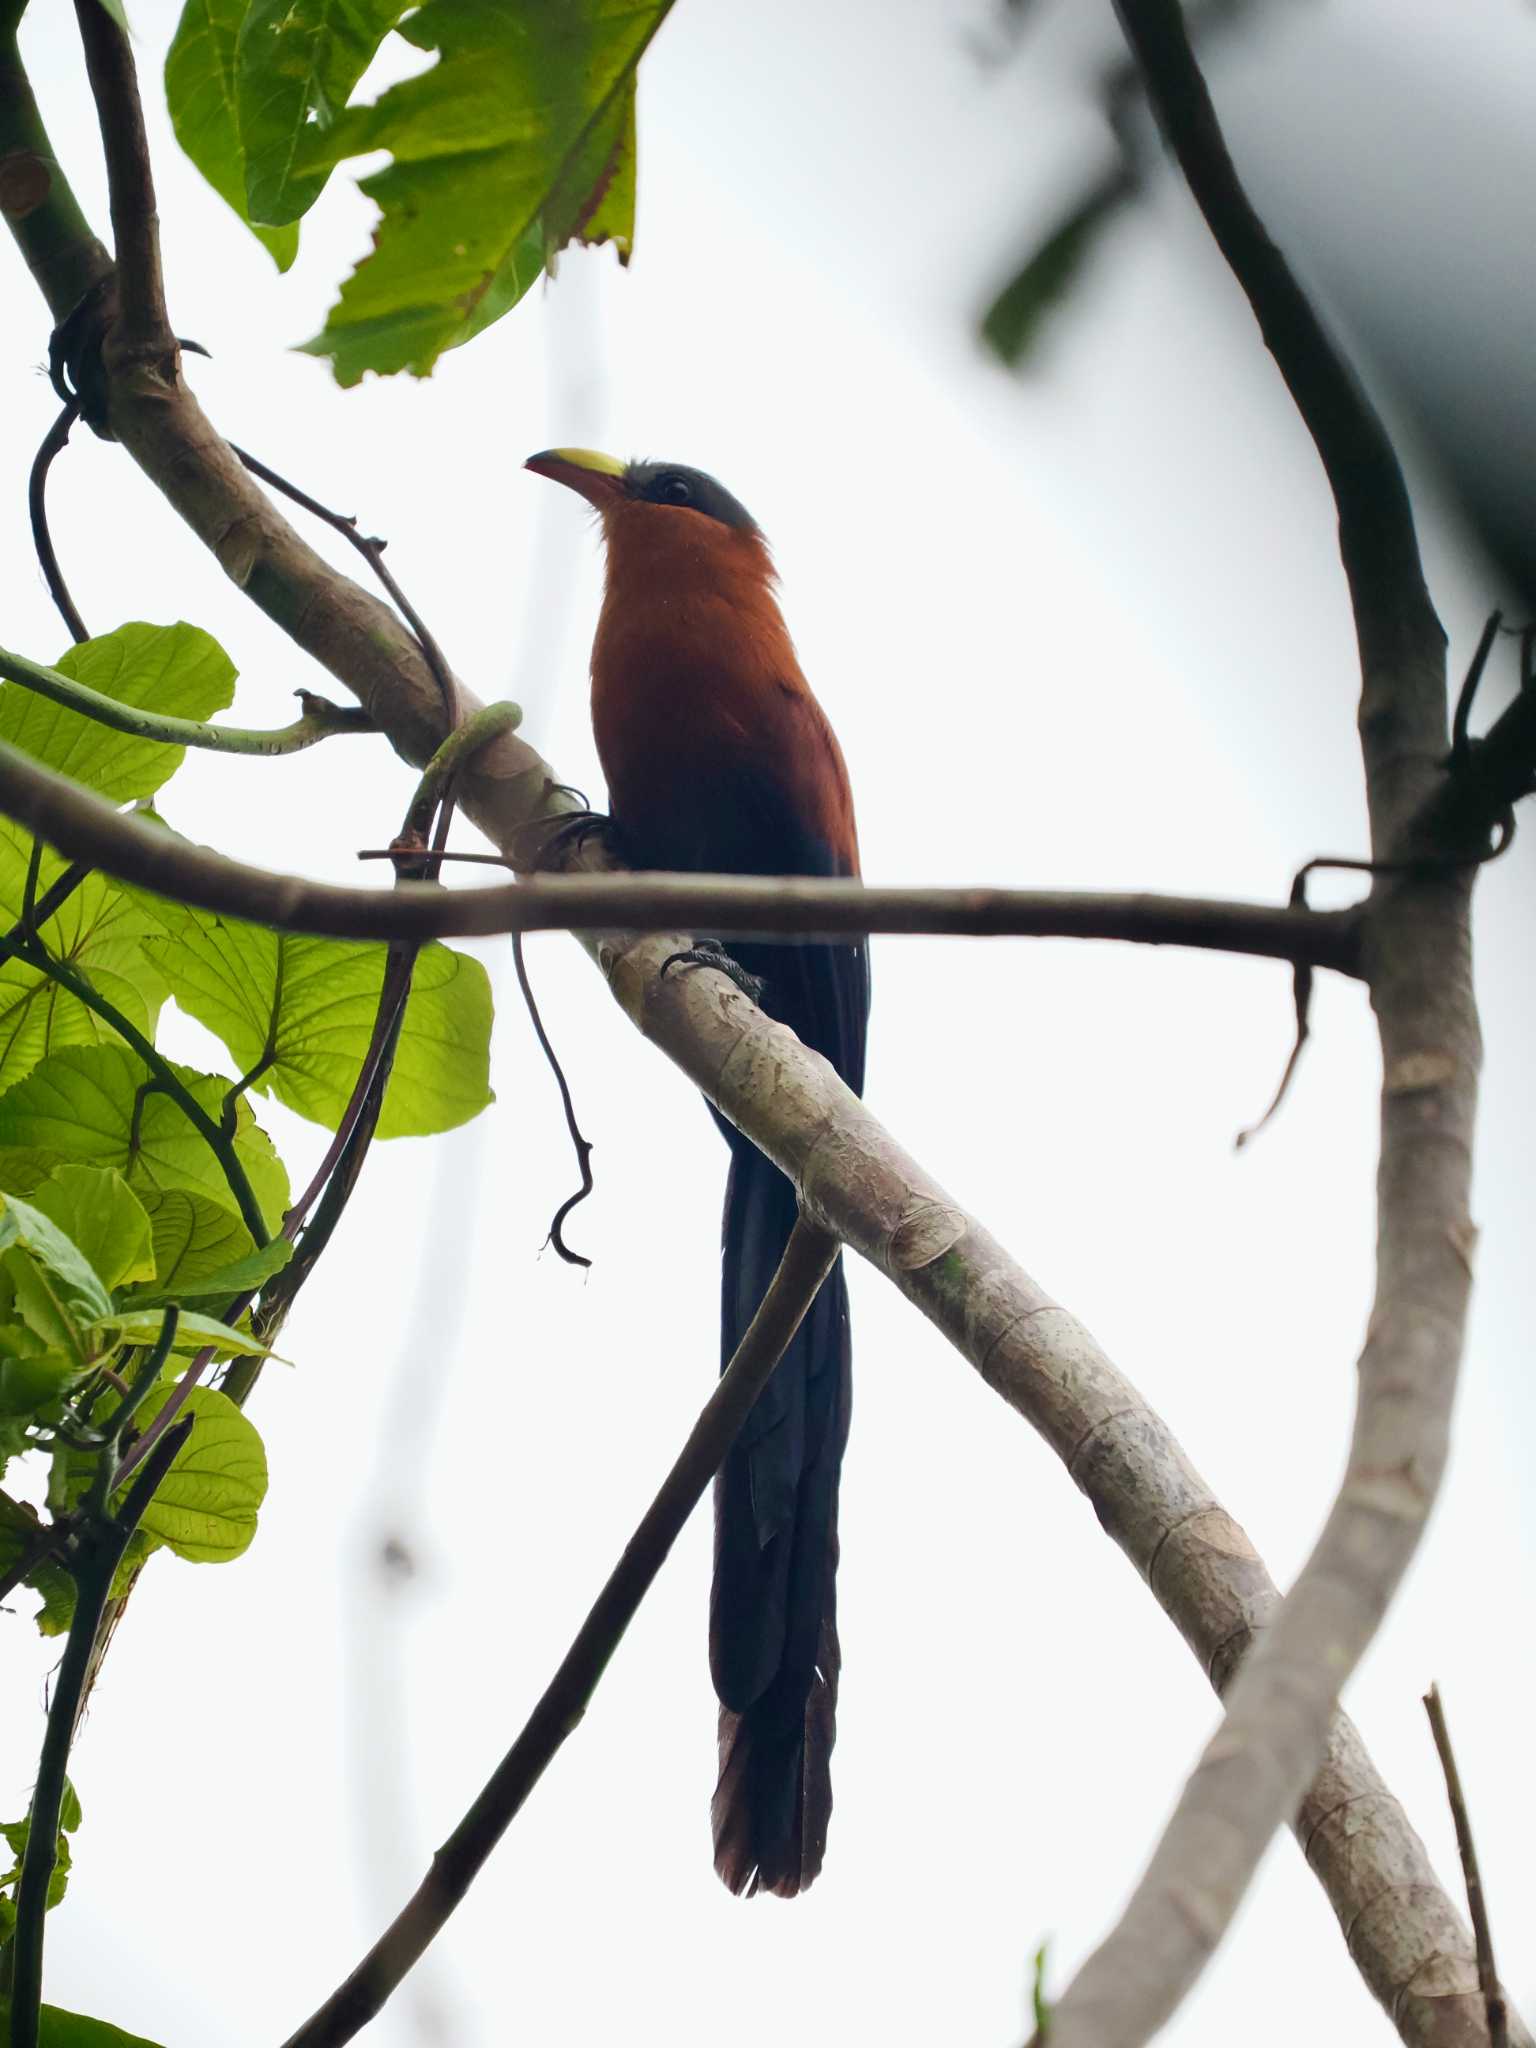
[{"x": 773, "y": 1645}]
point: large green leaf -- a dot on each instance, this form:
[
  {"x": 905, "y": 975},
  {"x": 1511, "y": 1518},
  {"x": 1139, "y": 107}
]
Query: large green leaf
[
  {"x": 295, "y": 67},
  {"x": 200, "y": 90},
  {"x": 205, "y": 1507},
  {"x": 93, "y": 1104},
  {"x": 180, "y": 670},
  {"x": 203, "y": 1252},
  {"x": 96, "y": 1208},
  {"x": 518, "y": 140},
  {"x": 98, "y": 930},
  {"x": 302, "y": 1010}
]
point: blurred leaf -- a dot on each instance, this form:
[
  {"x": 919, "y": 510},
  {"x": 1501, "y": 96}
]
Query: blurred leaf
[
  {"x": 205, "y": 1507},
  {"x": 296, "y": 64},
  {"x": 94, "y": 1104},
  {"x": 1012, "y": 325},
  {"x": 180, "y": 671},
  {"x": 519, "y": 140},
  {"x": 1040, "y": 2004},
  {"x": 200, "y": 91},
  {"x": 118, "y": 13},
  {"x": 302, "y": 1009},
  {"x": 18, "y": 1526},
  {"x": 94, "y": 1205},
  {"x": 15, "y": 1835},
  {"x": 98, "y": 930}
]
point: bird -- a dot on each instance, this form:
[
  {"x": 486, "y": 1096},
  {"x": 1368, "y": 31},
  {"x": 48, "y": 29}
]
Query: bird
[{"x": 718, "y": 759}]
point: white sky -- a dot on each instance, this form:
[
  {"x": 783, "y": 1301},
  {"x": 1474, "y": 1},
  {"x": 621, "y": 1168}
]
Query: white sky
[{"x": 1082, "y": 630}]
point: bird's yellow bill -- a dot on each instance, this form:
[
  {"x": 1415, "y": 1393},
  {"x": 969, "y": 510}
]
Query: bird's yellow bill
[{"x": 581, "y": 458}]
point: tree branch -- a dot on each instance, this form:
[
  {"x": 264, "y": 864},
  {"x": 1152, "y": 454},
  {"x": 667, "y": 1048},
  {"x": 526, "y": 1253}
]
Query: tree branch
[
  {"x": 1488, "y": 1976},
  {"x": 320, "y": 720},
  {"x": 39, "y": 208},
  {"x": 84, "y": 826},
  {"x": 105, "y": 1544},
  {"x": 1417, "y": 948},
  {"x": 807, "y": 1260},
  {"x": 1402, "y": 1929},
  {"x": 143, "y": 325}
]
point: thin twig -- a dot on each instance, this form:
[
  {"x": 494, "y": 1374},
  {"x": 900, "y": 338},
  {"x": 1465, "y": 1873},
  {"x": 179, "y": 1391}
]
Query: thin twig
[
  {"x": 320, "y": 718},
  {"x": 371, "y": 548},
  {"x": 102, "y": 1551},
  {"x": 580, "y": 1145},
  {"x": 807, "y": 1260},
  {"x": 54, "y": 441},
  {"x": 1461, "y": 717},
  {"x": 1477, "y": 1904}
]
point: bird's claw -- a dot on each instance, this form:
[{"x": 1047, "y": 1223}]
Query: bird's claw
[
  {"x": 561, "y": 839},
  {"x": 710, "y": 953}
]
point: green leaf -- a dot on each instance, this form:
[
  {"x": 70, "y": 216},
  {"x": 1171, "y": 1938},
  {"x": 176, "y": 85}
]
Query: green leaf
[
  {"x": 118, "y": 13},
  {"x": 194, "y": 1238},
  {"x": 79, "y": 1286},
  {"x": 302, "y": 1010},
  {"x": 109, "y": 1224},
  {"x": 134, "y": 1325},
  {"x": 203, "y": 1252},
  {"x": 179, "y": 670},
  {"x": 15, "y": 1834},
  {"x": 200, "y": 90},
  {"x": 296, "y": 64},
  {"x": 60, "y": 2029},
  {"x": 205, "y": 1507},
  {"x": 30, "y": 1381},
  {"x": 94, "y": 1104},
  {"x": 518, "y": 140},
  {"x": 97, "y": 930},
  {"x": 1012, "y": 324}
]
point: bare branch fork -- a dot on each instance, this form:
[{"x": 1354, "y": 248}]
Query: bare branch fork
[
  {"x": 1401, "y": 1925},
  {"x": 1418, "y": 960}
]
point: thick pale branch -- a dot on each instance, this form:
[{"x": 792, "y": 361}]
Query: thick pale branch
[
  {"x": 1401, "y": 1927},
  {"x": 1403, "y": 1930},
  {"x": 1282, "y": 1703}
]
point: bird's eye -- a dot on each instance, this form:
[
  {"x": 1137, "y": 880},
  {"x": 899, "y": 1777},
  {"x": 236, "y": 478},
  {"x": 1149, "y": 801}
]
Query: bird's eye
[{"x": 677, "y": 490}]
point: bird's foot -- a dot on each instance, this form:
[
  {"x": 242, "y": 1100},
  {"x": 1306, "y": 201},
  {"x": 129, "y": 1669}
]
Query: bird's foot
[
  {"x": 710, "y": 953},
  {"x": 562, "y": 838}
]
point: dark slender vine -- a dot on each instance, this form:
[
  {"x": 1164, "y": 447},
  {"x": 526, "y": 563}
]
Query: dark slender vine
[
  {"x": 579, "y": 1144},
  {"x": 102, "y": 1541},
  {"x": 53, "y": 442}
]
